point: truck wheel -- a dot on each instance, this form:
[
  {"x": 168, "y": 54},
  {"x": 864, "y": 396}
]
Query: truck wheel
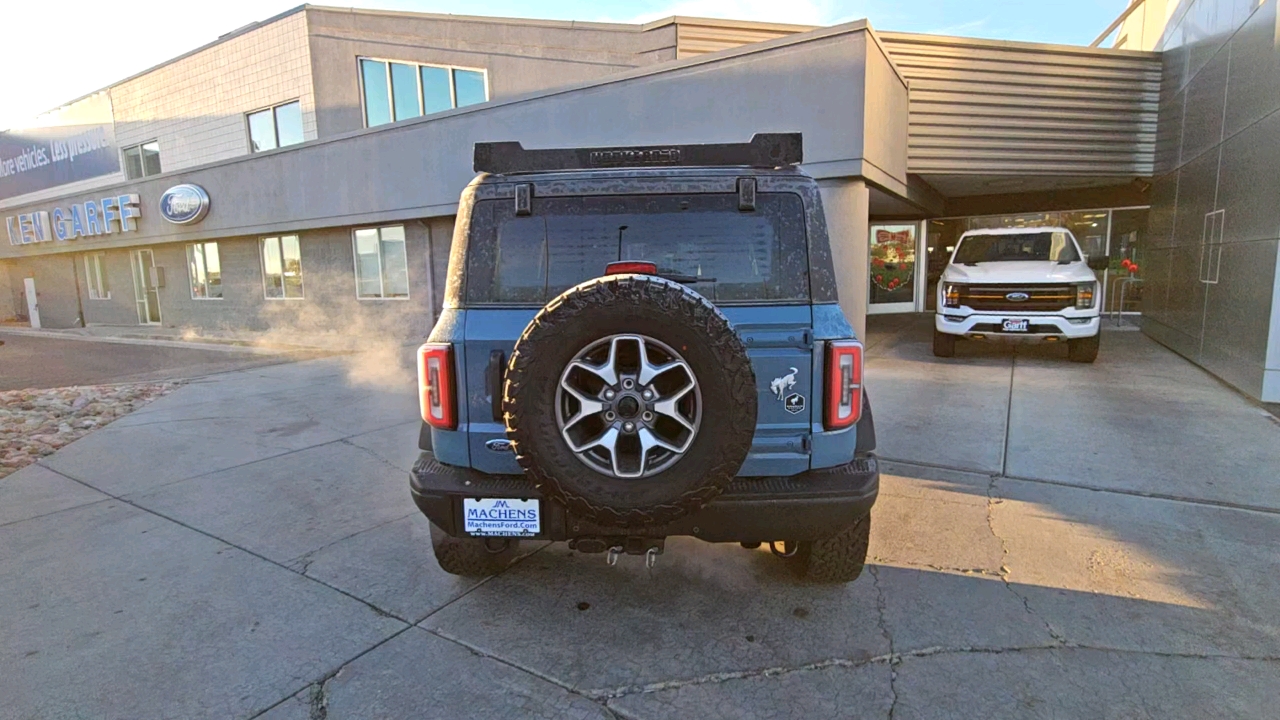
[
  {"x": 838, "y": 559},
  {"x": 472, "y": 557},
  {"x": 1084, "y": 350},
  {"x": 944, "y": 345},
  {"x": 631, "y": 400}
]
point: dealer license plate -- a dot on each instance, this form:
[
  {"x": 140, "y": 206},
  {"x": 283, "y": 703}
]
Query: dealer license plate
[
  {"x": 1015, "y": 325},
  {"x": 501, "y": 517}
]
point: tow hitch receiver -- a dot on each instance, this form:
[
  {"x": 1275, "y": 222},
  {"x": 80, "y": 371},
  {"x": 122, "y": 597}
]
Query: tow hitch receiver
[{"x": 614, "y": 547}]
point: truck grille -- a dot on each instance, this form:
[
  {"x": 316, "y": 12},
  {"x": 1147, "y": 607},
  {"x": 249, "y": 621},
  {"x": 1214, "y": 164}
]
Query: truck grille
[{"x": 1040, "y": 298}]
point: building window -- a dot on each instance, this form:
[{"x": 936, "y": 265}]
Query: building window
[
  {"x": 206, "y": 271},
  {"x": 399, "y": 91},
  {"x": 275, "y": 127},
  {"x": 96, "y": 277},
  {"x": 282, "y": 267},
  {"x": 142, "y": 160},
  {"x": 382, "y": 268}
]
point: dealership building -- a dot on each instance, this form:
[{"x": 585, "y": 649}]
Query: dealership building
[{"x": 304, "y": 171}]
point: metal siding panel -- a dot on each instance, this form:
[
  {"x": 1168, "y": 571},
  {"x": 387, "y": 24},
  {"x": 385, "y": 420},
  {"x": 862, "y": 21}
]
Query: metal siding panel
[
  {"x": 1249, "y": 162},
  {"x": 701, "y": 39},
  {"x": 1253, "y": 88},
  {"x": 1018, "y": 108},
  {"x": 1237, "y": 314},
  {"x": 1202, "y": 119},
  {"x": 1197, "y": 190}
]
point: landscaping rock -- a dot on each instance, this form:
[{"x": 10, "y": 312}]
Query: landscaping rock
[{"x": 35, "y": 423}]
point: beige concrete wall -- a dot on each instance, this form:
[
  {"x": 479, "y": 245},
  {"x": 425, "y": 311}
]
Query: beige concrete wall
[
  {"x": 847, "y": 205},
  {"x": 417, "y": 168},
  {"x": 1145, "y": 26},
  {"x": 519, "y": 56},
  {"x": 195, "y": 106},
  {"x": 120, "y": 307},
  {"x": 884, "y": 140},
  {"x": 56, "y": 283},
  {"x": 8, "y": 296}
]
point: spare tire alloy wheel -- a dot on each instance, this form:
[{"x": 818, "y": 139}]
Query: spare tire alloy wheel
[
  {"x": 631, "y": 400},
  {"x": 628, "y": 406}
]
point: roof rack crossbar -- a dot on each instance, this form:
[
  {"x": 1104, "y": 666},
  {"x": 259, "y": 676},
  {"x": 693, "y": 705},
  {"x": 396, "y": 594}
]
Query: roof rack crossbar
[{"x": 766, "y": 150}]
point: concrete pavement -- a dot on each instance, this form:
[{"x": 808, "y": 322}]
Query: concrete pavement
[
  {"x": 35, "y": 359},
  {"x": 1052, "y": 540}
]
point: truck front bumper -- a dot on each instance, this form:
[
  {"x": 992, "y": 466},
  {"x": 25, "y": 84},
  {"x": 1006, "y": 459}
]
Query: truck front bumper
[
  {"x": 986, "y": 326},
  {"x": 810, "y": 506}
]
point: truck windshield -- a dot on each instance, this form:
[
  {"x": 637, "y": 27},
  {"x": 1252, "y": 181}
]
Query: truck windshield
[
  {"x": 722, "y": 252},
  {"x": 1053, "y": 246}
]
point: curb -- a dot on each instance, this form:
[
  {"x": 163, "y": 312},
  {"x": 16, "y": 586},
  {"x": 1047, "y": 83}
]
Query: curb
[{"x": 183, "y": 344}]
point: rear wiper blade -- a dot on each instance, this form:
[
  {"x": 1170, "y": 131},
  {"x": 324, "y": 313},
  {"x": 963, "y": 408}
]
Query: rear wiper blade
[{"x": 682, "y": 278}]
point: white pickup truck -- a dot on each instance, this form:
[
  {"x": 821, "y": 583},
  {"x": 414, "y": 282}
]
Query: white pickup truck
[{"x": 1019, "y": 285}]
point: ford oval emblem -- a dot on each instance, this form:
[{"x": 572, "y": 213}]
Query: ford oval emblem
[
  {"x": 1017, "y": 297},
  {"x": 499, "y": 445},
  {"x": 184, "y": 204}
]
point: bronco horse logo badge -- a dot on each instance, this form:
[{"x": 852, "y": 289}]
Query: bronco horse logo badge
[{"x": 780, "y": 385}]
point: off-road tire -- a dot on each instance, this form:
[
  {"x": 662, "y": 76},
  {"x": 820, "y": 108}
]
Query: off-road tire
[
  {"x": 838, "y": 559},
  {"x": 1084, "y": 350},
  {"x": 944, "y": 345},
  {"x": 666, "y": 311},
  {"x": 469, "y": 557}
]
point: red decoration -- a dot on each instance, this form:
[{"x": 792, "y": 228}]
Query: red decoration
[{"x": 893, "y": 254}]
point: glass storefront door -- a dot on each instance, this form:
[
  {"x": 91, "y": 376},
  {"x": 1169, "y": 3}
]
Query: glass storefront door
[
  {"x": 1128, "y": 239},
  {"x": 145, "y": 293},
  {"x": 1118, "y": 234},
  {"x": 893, "y": 278}
]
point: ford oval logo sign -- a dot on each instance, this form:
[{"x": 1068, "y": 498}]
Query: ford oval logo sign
[
  {"x": 1017, "y": 297},
  {"x": 184, "y": 204},
  {"x": 499, "y": 445}
]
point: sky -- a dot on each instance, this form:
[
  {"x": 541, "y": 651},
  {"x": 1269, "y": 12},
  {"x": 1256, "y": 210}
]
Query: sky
[{"x": 69, "y": 48}]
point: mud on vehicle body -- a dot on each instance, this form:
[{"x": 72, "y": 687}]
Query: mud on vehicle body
[{"x": 639, "y": 343}]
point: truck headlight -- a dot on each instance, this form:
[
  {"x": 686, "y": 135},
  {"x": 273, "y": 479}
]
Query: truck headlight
[
  {"x": 950, "y": 295},
  {"x": 1085, "y": 293}
]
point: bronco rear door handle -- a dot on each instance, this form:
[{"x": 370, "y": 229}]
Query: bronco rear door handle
[{"x": 493, "y": 382}]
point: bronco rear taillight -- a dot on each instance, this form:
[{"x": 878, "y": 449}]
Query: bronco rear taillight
[
  {"x": 844, "y": 383},
  {"x": 435, "y": 385}
]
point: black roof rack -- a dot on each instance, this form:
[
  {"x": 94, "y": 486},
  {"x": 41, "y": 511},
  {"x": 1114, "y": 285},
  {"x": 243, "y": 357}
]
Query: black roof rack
[{"x": 766, "y": 150}]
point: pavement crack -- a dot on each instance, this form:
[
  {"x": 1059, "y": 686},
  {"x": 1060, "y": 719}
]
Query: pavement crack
[
  {"x": 599, "y": 700},
  {"x": 370, "y": 453},
  {"x": 142, "y": 508},
  {"x": 893, "y": 659},
  {"x": 937, "y": 568},
  {"x": 317, "y": 693},
  {"x": 319, "y": 700},
  {"x": 882, "y": 605},
  {"x": 720, "y": 677},
  {"x": 992, "y": 502},
  {"x": 304, "y": 561}
]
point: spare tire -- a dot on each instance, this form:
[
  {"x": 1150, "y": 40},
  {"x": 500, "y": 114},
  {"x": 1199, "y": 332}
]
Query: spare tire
[{"x": 631, "y": 400}]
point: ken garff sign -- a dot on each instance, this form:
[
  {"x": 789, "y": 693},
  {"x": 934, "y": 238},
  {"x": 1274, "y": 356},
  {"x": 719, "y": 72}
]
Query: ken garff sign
[
  {"x": 184, "y": 204},
  {"x": 110, "y": 215}
]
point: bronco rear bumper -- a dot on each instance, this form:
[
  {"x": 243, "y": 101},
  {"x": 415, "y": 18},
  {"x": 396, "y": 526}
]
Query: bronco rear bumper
[{"x": 810, "y": 506}]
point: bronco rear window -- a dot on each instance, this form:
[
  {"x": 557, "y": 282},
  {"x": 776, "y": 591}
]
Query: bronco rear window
[{"x": 737, "y": 256}]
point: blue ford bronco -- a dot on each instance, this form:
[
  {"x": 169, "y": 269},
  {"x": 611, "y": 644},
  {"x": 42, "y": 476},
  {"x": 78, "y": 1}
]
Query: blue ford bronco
[{"x": 642, "y": 342}]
